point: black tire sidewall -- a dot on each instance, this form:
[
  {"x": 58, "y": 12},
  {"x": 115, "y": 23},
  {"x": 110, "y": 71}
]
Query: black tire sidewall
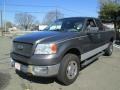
[
  {"x": 63, "y": 67},
  {"x": 108, "y": 51},
  {"x": 111, "y": 45}
]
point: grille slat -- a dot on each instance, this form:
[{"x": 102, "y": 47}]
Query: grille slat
[{"x": 22, "y": 49}]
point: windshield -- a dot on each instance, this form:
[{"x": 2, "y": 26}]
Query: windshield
[{"x": 68, "y": 25}]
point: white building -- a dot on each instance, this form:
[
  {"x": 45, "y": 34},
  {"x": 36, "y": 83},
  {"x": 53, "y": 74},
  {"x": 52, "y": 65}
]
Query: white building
[
  {"x": 109, "y": 25},
  {"x": 41, "y": 27}
]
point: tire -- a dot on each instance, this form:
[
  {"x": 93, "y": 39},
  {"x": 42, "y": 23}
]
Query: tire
[
  {"x": 69, "y": 69},
  {"x": 109, "y": 50}
]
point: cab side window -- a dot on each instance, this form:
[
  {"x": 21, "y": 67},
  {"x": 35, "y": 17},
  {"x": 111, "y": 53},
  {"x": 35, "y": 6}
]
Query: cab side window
[
  {"x": 91, "y": 25},
  {"x": 99, "y": 24}
]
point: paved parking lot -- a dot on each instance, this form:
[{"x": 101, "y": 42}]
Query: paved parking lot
[{"x": 103, "y": 74}]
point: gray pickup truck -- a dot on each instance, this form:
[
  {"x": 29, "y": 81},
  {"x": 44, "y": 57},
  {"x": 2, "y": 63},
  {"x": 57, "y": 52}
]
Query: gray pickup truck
[{"x": 62, "y": 49}]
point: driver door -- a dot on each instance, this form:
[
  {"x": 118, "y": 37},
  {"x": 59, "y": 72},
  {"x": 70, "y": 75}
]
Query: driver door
[{"x": 93, "y": 34}]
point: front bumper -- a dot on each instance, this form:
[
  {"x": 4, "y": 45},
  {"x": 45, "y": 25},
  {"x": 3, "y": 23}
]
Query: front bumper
[
  {"x": 38, "y": 60},
  {"x": 44, "y": 71}
]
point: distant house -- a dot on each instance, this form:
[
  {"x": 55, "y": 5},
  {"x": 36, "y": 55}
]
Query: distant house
[
  {"x": 41, "y": 27},
  {"x": 109, "y": 25},
  {"x": 13, "y": 29}
]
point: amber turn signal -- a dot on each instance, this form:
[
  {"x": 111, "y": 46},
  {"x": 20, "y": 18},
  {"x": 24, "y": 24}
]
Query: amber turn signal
[{"x": 53, "y": 48}]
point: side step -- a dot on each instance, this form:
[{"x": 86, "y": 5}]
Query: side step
[{"x": 90, "y": 60}]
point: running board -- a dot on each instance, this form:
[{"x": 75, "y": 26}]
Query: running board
[{"x": 92, "y": 59}]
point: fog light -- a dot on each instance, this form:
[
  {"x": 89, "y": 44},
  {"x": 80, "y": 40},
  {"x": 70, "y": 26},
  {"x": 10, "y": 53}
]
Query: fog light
[
  {"x": 12, "y": 63},
  {"x": 40, "y": 70}
]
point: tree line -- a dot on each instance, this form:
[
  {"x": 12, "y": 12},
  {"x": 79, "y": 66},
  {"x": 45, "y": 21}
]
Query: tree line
[
  {"x": 110, "y": 12},
  {"x": 27, "y": 21}
]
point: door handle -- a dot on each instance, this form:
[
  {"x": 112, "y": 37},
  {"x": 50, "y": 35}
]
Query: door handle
[
  {"x": 80, "y": 38},
  {"x": 99, "y": 36}
]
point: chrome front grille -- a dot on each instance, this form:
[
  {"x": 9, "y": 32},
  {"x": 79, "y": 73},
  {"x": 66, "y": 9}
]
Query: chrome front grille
[{"x": 22, "y": 48}]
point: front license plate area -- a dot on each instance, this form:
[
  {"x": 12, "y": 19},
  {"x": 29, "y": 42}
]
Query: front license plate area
[{"x": 17, "y": 66}]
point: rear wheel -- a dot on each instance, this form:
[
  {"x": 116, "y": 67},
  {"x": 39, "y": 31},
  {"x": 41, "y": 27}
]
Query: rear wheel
[
  {"x": 109, "y": 50},
  {"x": 69, "y": 69}
]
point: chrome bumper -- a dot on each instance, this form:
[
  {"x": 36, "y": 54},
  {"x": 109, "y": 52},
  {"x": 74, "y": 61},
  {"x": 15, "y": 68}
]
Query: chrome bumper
[{"x": 44, "y": 71}]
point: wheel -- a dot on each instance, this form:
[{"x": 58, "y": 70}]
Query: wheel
[
  {"x": 69, "y": 69},
  {"x": 109, "y": 50}
]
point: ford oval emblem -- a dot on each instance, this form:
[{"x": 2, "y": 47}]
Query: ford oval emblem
[{"x": 20, "y": 47}]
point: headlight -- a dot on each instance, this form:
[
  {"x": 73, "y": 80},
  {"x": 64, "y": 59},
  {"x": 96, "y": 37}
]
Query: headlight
[{"x": 46, "y": 49}]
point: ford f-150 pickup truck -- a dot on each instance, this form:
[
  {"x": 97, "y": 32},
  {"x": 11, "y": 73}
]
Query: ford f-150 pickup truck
[{"x": 63, "y": 48}]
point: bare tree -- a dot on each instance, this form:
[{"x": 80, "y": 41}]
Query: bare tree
[
  {"x": 24, "y": 20},
  {"x": 8, "y": 25},
  {"x": 51, "y": 16}
]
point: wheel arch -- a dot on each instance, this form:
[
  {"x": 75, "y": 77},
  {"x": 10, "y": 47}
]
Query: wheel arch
[
  {"x": 112, "y": 39},
  {"x": 75, "y": 51}
]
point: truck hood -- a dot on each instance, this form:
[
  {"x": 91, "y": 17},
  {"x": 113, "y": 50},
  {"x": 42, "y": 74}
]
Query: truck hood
[{"x": 43, "y": 36}]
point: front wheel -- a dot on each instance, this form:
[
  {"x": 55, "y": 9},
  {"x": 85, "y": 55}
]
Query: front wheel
[
  {"x": 69, "y": 69},
  {"x": 109, "y": 50}
]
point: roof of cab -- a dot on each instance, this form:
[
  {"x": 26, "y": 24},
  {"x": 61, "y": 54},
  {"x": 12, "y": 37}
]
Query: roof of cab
[{"x": 80, "y": 18}]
